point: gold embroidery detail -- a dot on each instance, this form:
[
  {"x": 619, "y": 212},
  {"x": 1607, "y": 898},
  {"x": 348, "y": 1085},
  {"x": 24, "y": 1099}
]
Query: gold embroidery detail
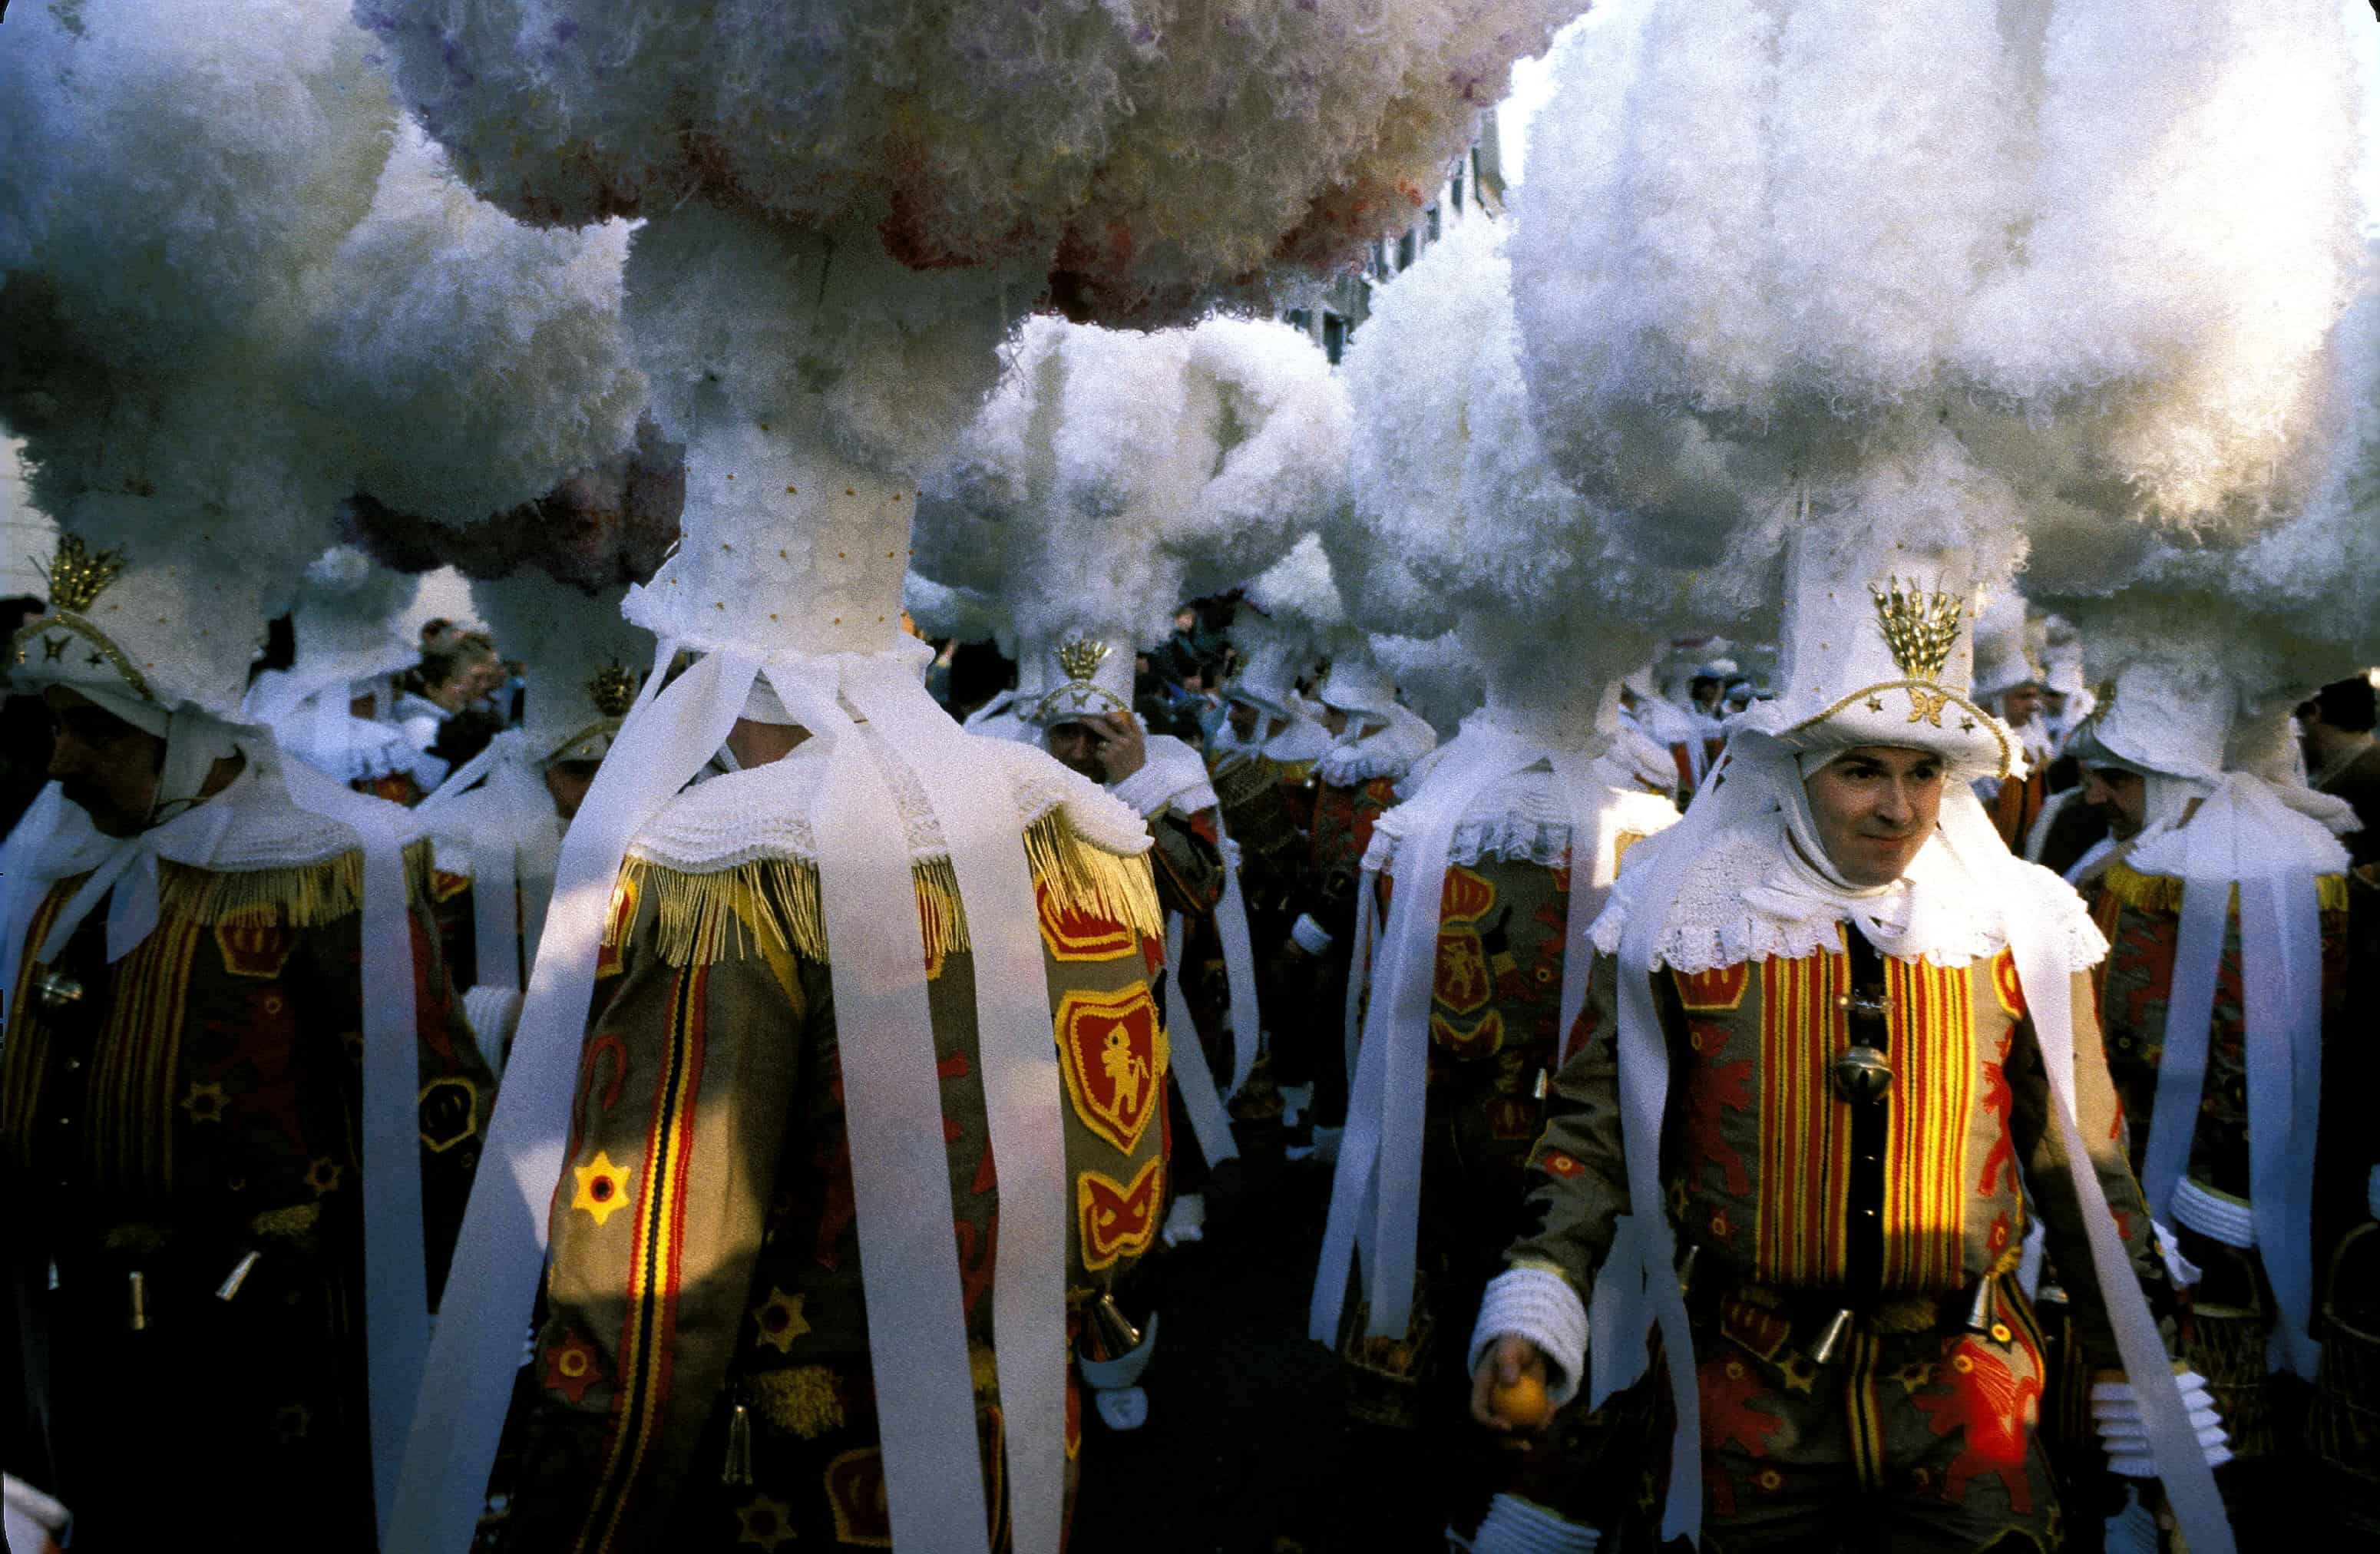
[
  {"x": 1921, "y": 628},
  {"x": 804, "y": 1399},
  {"x": 2162, "y": 892},
  {"x": 701, "y": 919},
  {"x": 603, "y": 1187},
  {"x": 53, "y": 648},
  {"x": 79, "y": 575},
  {"x": 1926, "y": 706}
]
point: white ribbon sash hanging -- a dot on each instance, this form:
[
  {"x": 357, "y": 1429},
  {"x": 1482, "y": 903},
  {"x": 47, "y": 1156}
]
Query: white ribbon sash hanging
[
  {"x": 1209, "y": 1122},
  {"x": 1376, "y": 1191}
]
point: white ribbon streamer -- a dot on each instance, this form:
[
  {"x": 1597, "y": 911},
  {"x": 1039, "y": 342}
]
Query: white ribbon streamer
[
  {"x": 1209, "y": 1121},
  {"x": 2280, "y": 967},
  {"x": 1245, "y": 1018},
  {"x": 1376, "y": 1191},
  {"x": 396, "y": 1291},
  {"x": 1024, "y": 1099}
]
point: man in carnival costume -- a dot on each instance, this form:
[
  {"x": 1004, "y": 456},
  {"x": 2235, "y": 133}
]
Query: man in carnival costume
[
  {"x": 2224, "y": 898},
  {"x": 334, "y": 708},
  {"x": 1830, "y": 1023},
  {"x": 2010, "y": 682},
  {"x": 237, "y": 1098}
]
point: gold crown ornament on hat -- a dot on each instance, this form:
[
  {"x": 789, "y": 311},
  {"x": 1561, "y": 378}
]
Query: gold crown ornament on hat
[
  {"x": 610, "y": 690},
  {"x": 1081, "y": 658},
  {"x": 79, "y": 575},
  {"x": 76, "y": 576},
  {"x": 613, "y": 690}
]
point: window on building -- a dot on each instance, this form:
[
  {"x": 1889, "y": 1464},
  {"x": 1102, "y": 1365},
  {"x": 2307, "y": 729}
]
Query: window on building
[
  {"x": 1457, "y": 187},
  {"x": 1406, "y": 251},
  {"x": 1379, "y": 259},
  {"x": 1434, "y": 232},
  {"x": 1300, "y": 320},
  {"x": 1334, "y": 336}
]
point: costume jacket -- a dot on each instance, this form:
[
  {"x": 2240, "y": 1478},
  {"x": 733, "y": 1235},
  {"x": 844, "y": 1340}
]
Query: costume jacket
[
  {"x": 705, "y": 1254},
  {"x": 197, "y": 1103}
]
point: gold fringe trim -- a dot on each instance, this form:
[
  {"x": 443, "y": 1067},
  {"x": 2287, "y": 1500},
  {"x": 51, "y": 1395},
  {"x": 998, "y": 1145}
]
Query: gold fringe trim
[
  {"x": 305, "y": 897},
  {"x": 702, "y": 919},
  {"x": 2162, "y": 892}
]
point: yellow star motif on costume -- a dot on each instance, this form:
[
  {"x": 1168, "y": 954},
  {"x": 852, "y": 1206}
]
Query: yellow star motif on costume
[
  {"x": 53, "y": 648},
  {"x": 1800, "y": 1374},
  {"x": 780, "y": 1320},
  {"x": 323, "y": 1174},
  {"x": 205, "y": 1102},
  {"x": 765, "y": 1522},
  {"x": 603, "y": 1186},
  {"x": 1916, "y": 1374},
  {"x": 1926, "y": 706}
]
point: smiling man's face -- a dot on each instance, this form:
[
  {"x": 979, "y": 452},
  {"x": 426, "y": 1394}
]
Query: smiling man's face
[{"x": 1875, "y": 805}]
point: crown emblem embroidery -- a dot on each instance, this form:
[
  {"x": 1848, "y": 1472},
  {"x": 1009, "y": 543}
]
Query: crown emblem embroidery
[
  {"x": 613, "y": 690},
  {"x": 1919, "y": 628},
  {"x": 79, "y": 575},
  {"x": 1079, "y": 658}
]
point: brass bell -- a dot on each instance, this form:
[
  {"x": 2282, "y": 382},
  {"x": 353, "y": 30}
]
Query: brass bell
[
  {"x": 1117, "y": 1335},
  {"x": 56, "y": 990},
  {"x": 1980, "y": 1314},
  {"x": 1861, "y": 1073},
  {"x": 1832, "y": 1342},
  {"x": 738, "y": 1467},
  {"x": 136, "y": 1300},
  {"x": 229, "y": 1289}
]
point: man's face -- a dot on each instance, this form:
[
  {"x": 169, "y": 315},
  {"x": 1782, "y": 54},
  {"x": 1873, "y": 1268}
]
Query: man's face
[
  {"x": 2053, "y": 705},
  {"x": 2122, "y": 797},
  {"x": 1704, "y": 692},
  {"x": 1875, "y": 805},
  {"x": 1077, "y": 749},
  {"x": 2020, "y": 704},
  {"x": 1242, "y": 718},
  {"x": 568, "y": 780},
  {"x": 108, "y": 766}
]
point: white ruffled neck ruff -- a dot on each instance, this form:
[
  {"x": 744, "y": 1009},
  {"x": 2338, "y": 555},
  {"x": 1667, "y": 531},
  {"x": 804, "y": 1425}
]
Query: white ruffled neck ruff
[
  {"x": 1720, "y": 917},
  {"x": 764, "y": 813}
]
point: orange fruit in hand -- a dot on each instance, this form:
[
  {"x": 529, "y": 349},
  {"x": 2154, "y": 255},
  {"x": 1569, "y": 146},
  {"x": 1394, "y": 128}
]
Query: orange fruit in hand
[{"x": 1523, "y": 1404}]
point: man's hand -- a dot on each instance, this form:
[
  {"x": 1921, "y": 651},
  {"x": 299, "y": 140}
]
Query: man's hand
[
  {"x": 1123, "y": 748},
  {"x": 1508, "y": 1391}
]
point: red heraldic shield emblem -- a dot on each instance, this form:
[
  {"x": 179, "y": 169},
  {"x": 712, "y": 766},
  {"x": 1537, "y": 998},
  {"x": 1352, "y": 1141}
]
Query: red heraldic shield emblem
[{"x": 1113, "y": 1050}]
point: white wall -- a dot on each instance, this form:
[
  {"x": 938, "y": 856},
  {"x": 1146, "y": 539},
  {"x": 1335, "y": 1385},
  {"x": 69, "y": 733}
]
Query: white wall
[{"x": 27, "y": 536}]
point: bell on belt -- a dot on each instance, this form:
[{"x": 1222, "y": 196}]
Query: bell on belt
[
  {"x": 1861, "y": 1073},
  {"x": 56, "y": 989},
  {"x": 1117, "y": 1334}
]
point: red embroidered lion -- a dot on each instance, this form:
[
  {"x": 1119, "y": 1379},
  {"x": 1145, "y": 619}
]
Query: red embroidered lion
[{"x": 1996, "y": 1409}]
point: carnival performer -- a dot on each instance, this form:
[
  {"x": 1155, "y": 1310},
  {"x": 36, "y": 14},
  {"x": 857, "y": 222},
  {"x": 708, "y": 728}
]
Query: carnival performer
[
  {"x": 231, "y": 1046},
  {"x": 334, "y": 707},
  {"x": 2223, "y": 895},
  {"x": 1863, "y": 1060}
]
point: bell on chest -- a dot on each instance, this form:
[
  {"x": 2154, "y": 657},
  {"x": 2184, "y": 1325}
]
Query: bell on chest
[
  {"x": 1861, "y": 1073},
  {"x": 56, "y": 990}
]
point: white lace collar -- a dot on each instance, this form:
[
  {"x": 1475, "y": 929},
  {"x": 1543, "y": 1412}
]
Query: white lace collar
[
  {"x": 1390, "y": 753},
  {"x": 1718, "y": 919},
  {"x": 1171, "y": 778},
  {"x": 763, "y": 813}
]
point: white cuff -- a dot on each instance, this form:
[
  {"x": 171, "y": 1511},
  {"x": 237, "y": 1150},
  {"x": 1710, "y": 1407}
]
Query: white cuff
[
  {"x": 1125, "y": 1369},
  {"x": 492, "y": 1014},
  {"x": 1538, "y": 1304},
  {"x": 2123, "y": 1427},
  {"x": 1148, "y": 789},
  {"x": 1311, "y": 936},
  {"x": 1513, "y": 1525},
  {"x": 2179, "y": 1268}
]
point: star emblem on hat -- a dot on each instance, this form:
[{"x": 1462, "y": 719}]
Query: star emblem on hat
[
  {"x": 1876, "y": 704},
  {"x": 53, "y": 648}
]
